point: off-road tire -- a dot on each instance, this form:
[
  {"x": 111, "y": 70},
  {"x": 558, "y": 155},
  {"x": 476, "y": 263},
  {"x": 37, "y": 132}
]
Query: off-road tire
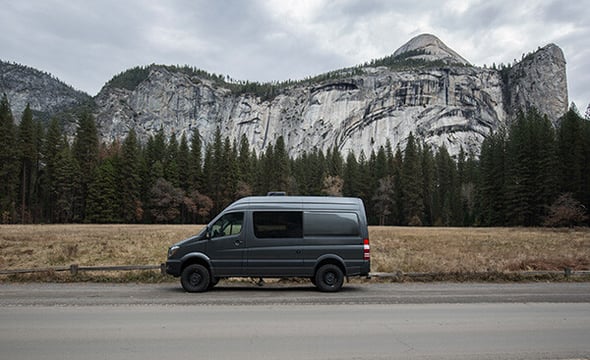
[
  {"x": 329, "y": 278},
  {"x": 195, "y": 278}
]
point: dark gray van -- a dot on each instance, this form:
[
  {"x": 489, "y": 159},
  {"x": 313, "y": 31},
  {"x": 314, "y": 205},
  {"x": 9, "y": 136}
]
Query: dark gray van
[{"x": 324, "y": 239}]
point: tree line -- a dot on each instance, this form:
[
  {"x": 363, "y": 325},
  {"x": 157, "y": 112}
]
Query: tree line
[{"x": 529, "y": 174}]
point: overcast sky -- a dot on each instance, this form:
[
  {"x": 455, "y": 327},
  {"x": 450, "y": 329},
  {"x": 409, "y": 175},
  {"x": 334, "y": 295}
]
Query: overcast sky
[{"x": 85, "y": 43}]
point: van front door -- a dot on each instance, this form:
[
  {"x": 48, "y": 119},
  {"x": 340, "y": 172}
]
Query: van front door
[{"x": 226, "y": 245}]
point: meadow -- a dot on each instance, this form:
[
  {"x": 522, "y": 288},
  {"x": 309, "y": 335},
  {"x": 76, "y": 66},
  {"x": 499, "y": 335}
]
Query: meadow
[{"x": 454, "y": 251}]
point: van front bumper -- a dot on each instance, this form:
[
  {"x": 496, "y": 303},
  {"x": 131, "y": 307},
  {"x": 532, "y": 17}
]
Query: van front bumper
[{"x": 173, "y": 267}]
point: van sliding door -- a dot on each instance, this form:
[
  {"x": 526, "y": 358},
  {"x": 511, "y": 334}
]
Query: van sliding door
[{"x": 276, "y": 249}]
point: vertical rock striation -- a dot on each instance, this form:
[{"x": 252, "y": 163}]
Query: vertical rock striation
[{"x": 424, "y": 88}]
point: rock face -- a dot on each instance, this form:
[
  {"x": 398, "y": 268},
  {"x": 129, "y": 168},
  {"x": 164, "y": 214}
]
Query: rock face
[
  {"x": 428, "y": 47},
  {"x": 453, "y": 104},
  {"x": 456, "y": 106},
  {"x": 45, "y": 94},
  {"x": 540, "y": 81}
]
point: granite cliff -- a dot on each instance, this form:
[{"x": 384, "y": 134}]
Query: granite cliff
[
  {"x": 46, "y": 95},
  {"x": 434, "y": 93},
  {"x": 424, "y": 88}
]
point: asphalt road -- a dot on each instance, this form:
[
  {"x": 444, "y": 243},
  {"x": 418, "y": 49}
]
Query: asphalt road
[
  {"x": 82, "y": 294},
  {"x": 364, "y": 321}
]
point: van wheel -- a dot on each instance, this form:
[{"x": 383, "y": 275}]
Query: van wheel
[
  {"x": 329, "y": 278},
  {"x": 195, "y": 278}
]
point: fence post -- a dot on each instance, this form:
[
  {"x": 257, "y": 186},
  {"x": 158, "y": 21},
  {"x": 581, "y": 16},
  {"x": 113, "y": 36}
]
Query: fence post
[{"x": 74, "y": 269}]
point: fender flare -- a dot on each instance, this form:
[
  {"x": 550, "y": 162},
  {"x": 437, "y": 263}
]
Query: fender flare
[
  {"x": 330, "y": 258},
  {"x": 196, "y": 257}
]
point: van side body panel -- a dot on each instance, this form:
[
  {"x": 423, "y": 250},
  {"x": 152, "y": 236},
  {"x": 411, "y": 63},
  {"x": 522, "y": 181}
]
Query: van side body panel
[{"x": 287, "y": 236}]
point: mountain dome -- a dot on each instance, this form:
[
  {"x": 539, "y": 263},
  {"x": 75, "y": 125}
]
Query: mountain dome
[{"x": 430, "y": 48}]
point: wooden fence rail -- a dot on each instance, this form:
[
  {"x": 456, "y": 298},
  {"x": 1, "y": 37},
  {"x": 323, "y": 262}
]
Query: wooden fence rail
[{"x": 75, "y": 269}]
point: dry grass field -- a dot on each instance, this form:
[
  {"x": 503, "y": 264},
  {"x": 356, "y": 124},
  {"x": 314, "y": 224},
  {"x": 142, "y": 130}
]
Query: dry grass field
[{"x": 393, "y": 249}]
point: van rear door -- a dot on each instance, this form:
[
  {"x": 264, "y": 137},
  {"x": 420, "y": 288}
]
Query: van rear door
[{"x": 334, "y": 233}]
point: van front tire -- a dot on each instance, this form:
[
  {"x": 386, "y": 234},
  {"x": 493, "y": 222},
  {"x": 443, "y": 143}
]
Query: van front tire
[
  {"x": 329, "y": 278},
  {"x": 195, "y": 278}
]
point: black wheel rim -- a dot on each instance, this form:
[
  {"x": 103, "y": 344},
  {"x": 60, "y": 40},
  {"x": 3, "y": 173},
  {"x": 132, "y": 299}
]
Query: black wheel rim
[
  {"x": 195, "y": 278},
  {"x": 330, "y": 278}
]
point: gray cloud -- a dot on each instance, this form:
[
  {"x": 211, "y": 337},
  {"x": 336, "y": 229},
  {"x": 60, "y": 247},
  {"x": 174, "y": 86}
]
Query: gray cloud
[{"x": 85, "y": 43}]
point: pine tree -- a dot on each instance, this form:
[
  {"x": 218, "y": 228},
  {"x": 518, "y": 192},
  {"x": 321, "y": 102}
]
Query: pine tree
[
  {"x": 66, "y": 188},
  {"x": 335, "y": 162},
  {"x": 412, "y": 184},
  {"x": 573, "y": 142},
  {"x": 492, "y": 186},
  {"x": 213, "y": 170},
  {"x": 351, "y": 176},
  {"x": 447, "y": 195},
  {"x": 183, "y": 161},
  {"x": 384, "y": 200},
  {"x": 245, "y": 175},
  {"x": 316, "y": 165},
  {"x": 27, "y": 149},
  {"x": 131, "y": 209},
  {"x": 103, "y": 201},
  {"x": 37, "y": 194},
  {"x": 156, "y": 148},
  {"x": 195, "y": 162},
  {"x": 546, "y": 160},
  {"x": 171, "y": 170},
  {"x": 52, "y": 146},
  {"x": 467, "y": 168},
  {"x": 230, "y": 172},
  {"x": 85, "y": 150},
  {"x": 264, "y": 182},
  {"x": 530, "y": 170},
  {"x": 571, "y": 153},
  {"x": 398, "y": 211},
  {"x": 8, "y": 163},
  {"x": 280, "y": 166},
  {"x": 428, "y": 184}
]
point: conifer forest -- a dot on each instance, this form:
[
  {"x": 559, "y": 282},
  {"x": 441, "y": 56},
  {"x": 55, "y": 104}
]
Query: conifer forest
[{"x": 530, "y": 173}]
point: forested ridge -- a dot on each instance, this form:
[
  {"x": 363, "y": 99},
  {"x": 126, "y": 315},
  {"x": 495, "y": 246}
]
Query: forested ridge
[{"x": 529, "y": 174}]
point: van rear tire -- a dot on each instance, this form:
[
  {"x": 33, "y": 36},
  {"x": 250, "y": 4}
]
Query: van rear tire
[
  {"x": 195, "y": 278},
  {"x": 329, "y": 278}
]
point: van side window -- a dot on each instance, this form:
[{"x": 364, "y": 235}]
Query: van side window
[
  {"x": 331, "y": 224},
  {"x": 278, "y": 224},
  {"x": 228, "y": 224}
]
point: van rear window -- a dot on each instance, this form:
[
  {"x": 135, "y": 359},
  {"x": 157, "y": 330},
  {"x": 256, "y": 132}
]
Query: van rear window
[
  {"x": 331, "y": 224},
  {"x": 278, "y": 224}
]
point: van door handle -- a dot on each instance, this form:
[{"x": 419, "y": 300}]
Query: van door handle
[{"x": 238, "y": 242}]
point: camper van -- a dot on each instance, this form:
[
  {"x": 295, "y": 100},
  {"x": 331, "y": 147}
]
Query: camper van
[{"x": 324, "y": 239}]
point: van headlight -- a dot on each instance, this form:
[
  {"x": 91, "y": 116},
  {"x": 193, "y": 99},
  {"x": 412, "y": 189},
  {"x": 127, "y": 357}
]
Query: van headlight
[{"x": 173, "y": 250}]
